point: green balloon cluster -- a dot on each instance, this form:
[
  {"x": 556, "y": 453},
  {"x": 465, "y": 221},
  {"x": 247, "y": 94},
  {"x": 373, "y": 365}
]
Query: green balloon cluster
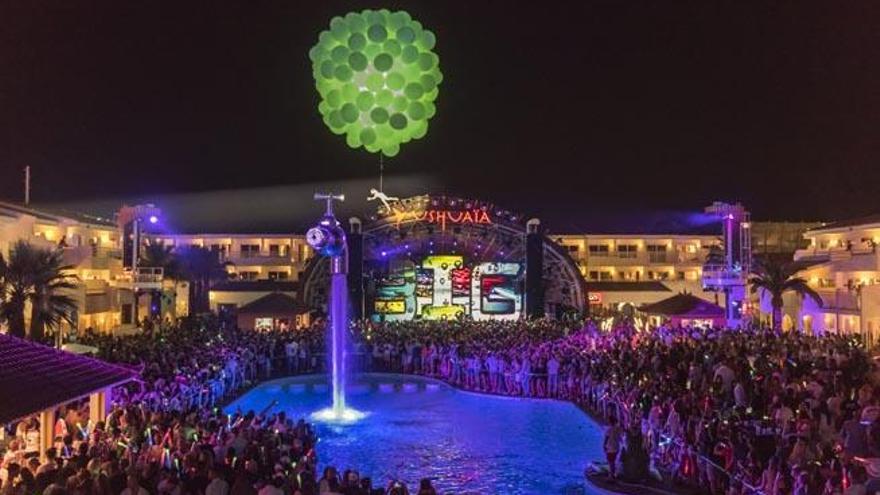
[{"x": 378, "y": 79}]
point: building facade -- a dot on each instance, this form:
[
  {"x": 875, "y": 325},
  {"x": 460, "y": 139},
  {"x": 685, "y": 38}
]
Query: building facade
[
  {"x": 780, "y": 237},
  {"x": 90, "y": 245},
  {"x": 843, "y": 266},
  {"x": 636, "y": 269},
  {"x": 620, "y": 270},
  {"x": 258, "y": 264}
]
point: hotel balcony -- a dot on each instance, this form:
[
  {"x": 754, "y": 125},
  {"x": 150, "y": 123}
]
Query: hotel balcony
[
  {"x": 146, "y": 278},
  {"x": 643, "y": 258},
  {"x": 840, "y": 300},
  {"x": 849, "y": 260},
  {"x": 91, "y": 257},
  {"x": 719, "y": 277},
  {"x": 259, "y": 260}
]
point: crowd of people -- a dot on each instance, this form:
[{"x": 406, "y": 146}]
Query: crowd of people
[
  {"x": 730, "y": 411},
  {"x": 167, "y": 433}
]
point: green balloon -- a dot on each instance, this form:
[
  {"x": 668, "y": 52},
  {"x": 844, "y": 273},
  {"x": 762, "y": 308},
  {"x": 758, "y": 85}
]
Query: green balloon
[
  {"x": 338, "y": 28},
  {"x": 349, "y": 112},
  {"x": 353, "y": 138},
  {"x": 405, "y": 35},
  {"x": 327, "y": 69},
  {"x": 357, "y": 61},
  {"x": 379, "y": 115},
  {"x": 428, "y": 82},
  {"x": 356, "y": 23},
  {"x": 400, "y": 103},
  {"x": 391, "y": 149},
  {"x": 397, "y": 20},
  {"x": 411, "y": 72},
  {"x": 421, "y": 128},
  {"x": 371, "y": 50},
  {"x": 384, "y": 132},
  {"x": 357, "y": 41},
  {"x": 384, "y": 98},
  {"x": 427, "y": 40},
  {"x": 416, "y": 111},
  {"x": 316, "y": 53},
  {"x": 336, "y": 120},
  {"x": 339, "y": 54},
  {"x": 334, "y": 98},
  {"x": 368, "y": 136},
  {"x": 377, "y": 33},
  {"x": 397, "y": 121},
  {"x": 372, "y": 16},
  {"x": 392, "y": 47},
  {"x": 426, "y": 61},
  {"x": 409, "y": 54},
  {"x": 383, "y": 62},
  {"x": 395, "y": 81},
  {"x": 342, "y": 73},
  {"x": 365, "y": 101},
  {"x": 377, "y": 76},
  {"x": 413, "y": 91},
  {"x": 349, "y": 92}
]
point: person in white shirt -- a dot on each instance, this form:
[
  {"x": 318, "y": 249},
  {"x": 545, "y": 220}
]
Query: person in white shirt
[
  {"x": 726, "y": 374},
  {"x": 292, "y": 352}
]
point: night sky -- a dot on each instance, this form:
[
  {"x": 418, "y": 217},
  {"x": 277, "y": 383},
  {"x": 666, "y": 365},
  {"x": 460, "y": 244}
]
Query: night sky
[{"x": 563, "y": 109}]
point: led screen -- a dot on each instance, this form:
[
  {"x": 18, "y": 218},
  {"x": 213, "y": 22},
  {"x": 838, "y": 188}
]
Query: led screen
[{"x": 448, "y": 287}]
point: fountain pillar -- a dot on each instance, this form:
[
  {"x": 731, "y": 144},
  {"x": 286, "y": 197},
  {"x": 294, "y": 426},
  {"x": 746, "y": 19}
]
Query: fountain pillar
[
  {"x": 338, "y": 327},
  {"x": 328, "y": 239}
]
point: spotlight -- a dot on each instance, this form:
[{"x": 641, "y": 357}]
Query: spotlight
[{"x": 154, "y": 219}]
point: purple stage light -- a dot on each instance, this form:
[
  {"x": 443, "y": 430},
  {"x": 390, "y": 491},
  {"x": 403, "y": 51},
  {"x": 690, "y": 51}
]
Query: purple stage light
[{"x": 154, "y": 219}]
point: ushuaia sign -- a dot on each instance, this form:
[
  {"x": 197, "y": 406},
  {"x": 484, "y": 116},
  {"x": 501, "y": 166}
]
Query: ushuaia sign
[{"x": 443, "y": 217}]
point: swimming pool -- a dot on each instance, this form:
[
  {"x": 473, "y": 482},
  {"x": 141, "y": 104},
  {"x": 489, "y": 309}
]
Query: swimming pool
[{"x": 469, "y": 443}]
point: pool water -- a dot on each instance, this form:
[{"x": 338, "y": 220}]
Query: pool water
[{"x": 467, "y": 443}]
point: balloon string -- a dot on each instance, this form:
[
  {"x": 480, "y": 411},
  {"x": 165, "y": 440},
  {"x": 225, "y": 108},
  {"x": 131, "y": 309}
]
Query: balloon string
[{"x": 381, "y": 171}]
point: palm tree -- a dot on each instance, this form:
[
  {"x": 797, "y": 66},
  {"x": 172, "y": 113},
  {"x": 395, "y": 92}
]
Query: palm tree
[
  {"x": 161, "y": 256},
  {"x": 39, "y": 277},
  {"x": 16, "y": 279},
  {"x": 202, "y": 268},
  {"x": 50, "y": 306},
  {"x": 776, "y": 277}
]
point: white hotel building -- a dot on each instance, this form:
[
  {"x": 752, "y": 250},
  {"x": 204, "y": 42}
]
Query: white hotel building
[{"x": 844, "y": 268}]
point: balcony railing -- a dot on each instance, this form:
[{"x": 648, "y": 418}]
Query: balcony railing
[
  {"x": 840, "y": 299},
  {"x": 719, "y": 276},
  {"x": 656, "y": 257},
  {"x": 262, "y": 259},
  {"x": 144, "y": 278}
]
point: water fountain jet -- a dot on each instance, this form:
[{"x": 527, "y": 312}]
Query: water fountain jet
[{"x": 328, "y": 239}]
